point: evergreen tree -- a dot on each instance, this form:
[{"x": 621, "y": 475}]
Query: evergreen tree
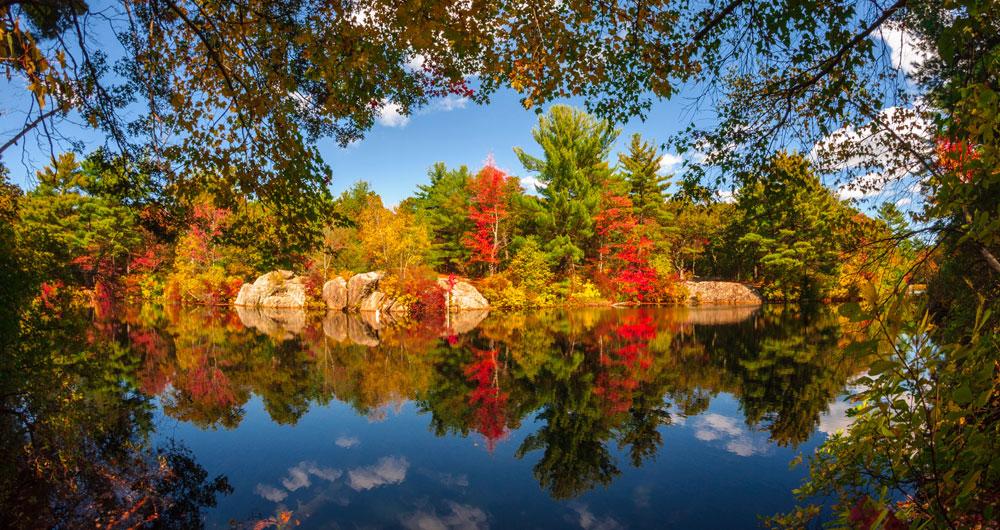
[
  {"x": 647, "y": 189},
  {"x": 574, "y": 171},
  {"x": 787, "y": 224},
  {"x": 70, "y": 235},
  {"x": 443, "y": 205}
]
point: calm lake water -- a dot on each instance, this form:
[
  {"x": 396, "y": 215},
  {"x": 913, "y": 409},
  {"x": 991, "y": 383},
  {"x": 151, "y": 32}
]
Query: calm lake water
[{"x": 595, "y": 419}]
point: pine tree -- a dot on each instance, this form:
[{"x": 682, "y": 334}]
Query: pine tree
[
  {"x": 790, "y": 224},
  {"x": 574, "y": 171},
  {"x": 443, "y": 205},
  {"x": 647, "y": 189}
]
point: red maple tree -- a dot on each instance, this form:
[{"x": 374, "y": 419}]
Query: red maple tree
[
  {"x": 490, "y": 193},
  {"x": 624, "y": 249},
  {"x": 956, "y": 156}
]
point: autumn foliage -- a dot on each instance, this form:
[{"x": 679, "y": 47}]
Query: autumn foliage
[
  {"x": 624, "y": 249},
  {"x": 490, "y": 194}
]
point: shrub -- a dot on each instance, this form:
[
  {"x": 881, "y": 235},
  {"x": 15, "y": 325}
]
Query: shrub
[
  {"x": 418, "y": 291},
  {"x": 578, "y": 290},
  {"x": 213, "y": 286}
]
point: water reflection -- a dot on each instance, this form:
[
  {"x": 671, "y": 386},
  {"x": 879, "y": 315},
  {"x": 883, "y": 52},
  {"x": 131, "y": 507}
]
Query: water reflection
[{"x": 590, "y": 391}]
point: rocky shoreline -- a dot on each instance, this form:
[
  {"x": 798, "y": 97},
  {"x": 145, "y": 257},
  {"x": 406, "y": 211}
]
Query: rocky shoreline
[{"x": 361, "y": 293}]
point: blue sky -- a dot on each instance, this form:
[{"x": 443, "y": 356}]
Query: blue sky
[{"x": 395, "y": 159}]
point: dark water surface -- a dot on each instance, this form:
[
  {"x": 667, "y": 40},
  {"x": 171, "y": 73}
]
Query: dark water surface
[{"x": 594, "y": 419}]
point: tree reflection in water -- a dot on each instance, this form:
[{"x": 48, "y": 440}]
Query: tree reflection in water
[
  {"x": 591, "y": 379},
  {"x": 75, "y": 433}
]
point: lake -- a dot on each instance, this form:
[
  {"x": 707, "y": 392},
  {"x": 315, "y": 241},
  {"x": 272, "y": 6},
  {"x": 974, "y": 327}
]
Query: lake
[{"x": 589, "y": 418}]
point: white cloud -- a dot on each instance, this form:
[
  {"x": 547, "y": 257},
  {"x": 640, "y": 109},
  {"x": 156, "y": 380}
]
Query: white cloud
[
  {"x": 391, "y": 115},
  {"x": 271, "y": 493},
  {"x": 303, "y": 101},
  {"x": 739, "y": 441},
  {"x": 461, "y": 517},
  {"x": 907, "y": 54},
  {"x": 835, "y": 419},
  {"x": 881, "y": 156},
  {"x": 669, "y": 161},
  {"x": 388, "y": 470},
  {"x": 298, "y": 475},
  {"x": 867, "y": 185},
  {"x": 877, "y": 143},
  {"x": 533, "y": 182},
  {"x": 451, "y": 102},
  {"x": 361, "y": 15},
  {"x": 588, "y": 521},
  {"x": 725, "y": 196},
  {"x": 416, "y": 62},
  {"x": 347, "y": 442},
  {"x": 904, "y": 201}
]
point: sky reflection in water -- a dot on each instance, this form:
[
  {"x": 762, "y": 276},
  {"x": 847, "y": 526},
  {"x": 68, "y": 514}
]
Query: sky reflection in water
[{"x": 590, "y": 419}]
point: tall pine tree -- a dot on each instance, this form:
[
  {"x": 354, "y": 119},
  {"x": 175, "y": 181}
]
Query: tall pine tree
[
  {"x": 647, "y": 189},
  {"x": 443, "y": 205},
  {"x": 791, "y": 227},
  {"x": 574, "y": 171}
]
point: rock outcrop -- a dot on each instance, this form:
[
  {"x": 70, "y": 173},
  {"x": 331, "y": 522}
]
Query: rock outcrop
[
  {"x": 464, "y": 321},
  {"x": 361, "y": 286},
  {"x": 335, "y": 294},
  {"x": 283, "y": 289},
  {"x": 462, "y": 296},
  {"x": 707, "y": 315},
  {"x": 720, "y": 293},
  {"x": 279, "y": 289},
  {"x": 376, "y": 301}
]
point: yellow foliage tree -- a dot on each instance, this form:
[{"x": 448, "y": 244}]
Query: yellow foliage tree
[{"x": 393, "y": 241}]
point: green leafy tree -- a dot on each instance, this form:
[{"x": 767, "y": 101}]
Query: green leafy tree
[
  {"x": 574, "y": 171},
  {"x": 340, "y": 248},
  {"x": 14, "y": 281},
  {"x": 696, "y": 234},
  {"x": 67, "y": 234}
]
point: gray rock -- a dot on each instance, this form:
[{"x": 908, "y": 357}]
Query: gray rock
[
  {"x": 361, "y": 286},
  {"x": 463, "y": 296},
  {"x": 464, "y": 321},
  {"x": 359, "y": 332},
  {"x": 335, "y": 294},
  {"x": 335, "y": 326},
  {"x": 275, "y": 289},
  {"x": 376, "y": 301},
  {"x": 720, "y": 293}
]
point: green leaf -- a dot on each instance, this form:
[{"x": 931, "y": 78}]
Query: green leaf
[
  {"x": 963, "y": 394},
  {"x": 881, "y": 366}
]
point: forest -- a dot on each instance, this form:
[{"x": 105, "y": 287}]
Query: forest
[{"x": 206, "y": 173}]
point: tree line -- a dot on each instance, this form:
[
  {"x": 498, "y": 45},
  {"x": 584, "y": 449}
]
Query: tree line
[{"x": 593, "y": 230}]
